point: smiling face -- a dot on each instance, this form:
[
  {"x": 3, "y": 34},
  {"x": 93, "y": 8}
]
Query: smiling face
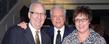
[
  {"x": 58, "y": 18},
  {"x": 36, "y": 15},
  {"x": 82, "y": 22}
]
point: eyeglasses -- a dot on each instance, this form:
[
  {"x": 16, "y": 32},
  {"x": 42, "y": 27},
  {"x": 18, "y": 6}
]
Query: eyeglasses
[
  {"x": 80, "y": 20},
  {"x": 37, "y": 13}
]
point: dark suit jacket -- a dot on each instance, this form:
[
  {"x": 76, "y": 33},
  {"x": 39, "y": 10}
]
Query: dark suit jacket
[
  {"x": 67, "y": 31},
  {"x": 17, "y": 35}
]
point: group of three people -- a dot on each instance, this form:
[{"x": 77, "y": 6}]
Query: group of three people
[{"x": 59, "y": 33}]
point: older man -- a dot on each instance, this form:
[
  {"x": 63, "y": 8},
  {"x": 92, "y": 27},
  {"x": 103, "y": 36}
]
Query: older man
[
  {"x": 33, "y": 34},
  {"x": 59, "y": 30}
]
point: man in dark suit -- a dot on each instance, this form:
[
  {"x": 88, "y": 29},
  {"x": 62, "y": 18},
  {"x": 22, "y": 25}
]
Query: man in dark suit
[
  {"x": 33, "y": 34},
  {"x": 51, "y": 32},
  {"x": 59, "y": 29}
]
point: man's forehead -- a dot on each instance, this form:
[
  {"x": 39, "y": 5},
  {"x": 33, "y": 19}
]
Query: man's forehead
[
  {"x": 57, "y": 10},
  {"x": 36, "y": 7}
]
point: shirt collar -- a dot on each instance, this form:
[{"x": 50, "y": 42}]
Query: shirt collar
[
  {"x": 61, "y": 29},
  {"x": 32, "y": 28},
  {"x": 61, "y": 32}
]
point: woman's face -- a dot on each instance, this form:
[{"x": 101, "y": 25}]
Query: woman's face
[{"x": 82, "y": 22}]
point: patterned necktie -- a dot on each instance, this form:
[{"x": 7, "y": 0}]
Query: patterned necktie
[
  {"x": 37, "y": 38},
  {"x": 58, "y": 38}
]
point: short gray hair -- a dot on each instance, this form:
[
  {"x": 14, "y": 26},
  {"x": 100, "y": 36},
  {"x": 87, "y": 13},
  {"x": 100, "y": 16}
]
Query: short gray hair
[{"x": 57, "y": 7}]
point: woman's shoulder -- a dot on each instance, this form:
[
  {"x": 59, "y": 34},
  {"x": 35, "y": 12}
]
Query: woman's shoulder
[
  {"x": 72, "y": 35},
  {"x": 98, "y": 38}
]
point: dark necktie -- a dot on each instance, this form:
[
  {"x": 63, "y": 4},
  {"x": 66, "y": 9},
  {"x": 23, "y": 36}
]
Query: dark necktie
[
  {"x": 58, "y": 38},
  {"x": 37, "y": 38}
]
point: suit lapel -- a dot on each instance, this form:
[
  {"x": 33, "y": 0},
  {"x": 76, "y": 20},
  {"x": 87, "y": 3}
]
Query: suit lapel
[
  {"x": 52, "y": 33},
  {"x": 29, "y": 36},
  {"x": 66, "y": 32},
  {"x": 42, "y": 37}
]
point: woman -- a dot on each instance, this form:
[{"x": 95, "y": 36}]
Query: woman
[{"x": 83, "y": 33}]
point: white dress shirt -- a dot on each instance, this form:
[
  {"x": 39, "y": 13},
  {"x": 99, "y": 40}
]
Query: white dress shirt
[
  {"x": 33, "y": 30},
  {"x": 55, "y": 33}
]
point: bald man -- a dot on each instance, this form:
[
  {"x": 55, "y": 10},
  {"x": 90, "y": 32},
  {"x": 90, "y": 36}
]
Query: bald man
[{"x": 33, "y": 34}]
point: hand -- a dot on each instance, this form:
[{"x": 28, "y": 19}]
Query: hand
[{"x": 22, "y": 25}]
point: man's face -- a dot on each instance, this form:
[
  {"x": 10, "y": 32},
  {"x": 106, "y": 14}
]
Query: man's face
[
  {"x": 58, "y": 18},
  {"x": 36, "y": 15}
]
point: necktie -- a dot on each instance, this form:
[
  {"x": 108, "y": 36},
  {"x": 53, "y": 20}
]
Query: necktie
[
  {"x": 58, "y": 38},
  {"x": 37, "y": 38}
]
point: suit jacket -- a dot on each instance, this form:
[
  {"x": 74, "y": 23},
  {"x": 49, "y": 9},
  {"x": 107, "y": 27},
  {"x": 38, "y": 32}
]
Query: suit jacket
[
  {"x": 17, "y": 35},
  {"x": 67, "y": 31}
]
